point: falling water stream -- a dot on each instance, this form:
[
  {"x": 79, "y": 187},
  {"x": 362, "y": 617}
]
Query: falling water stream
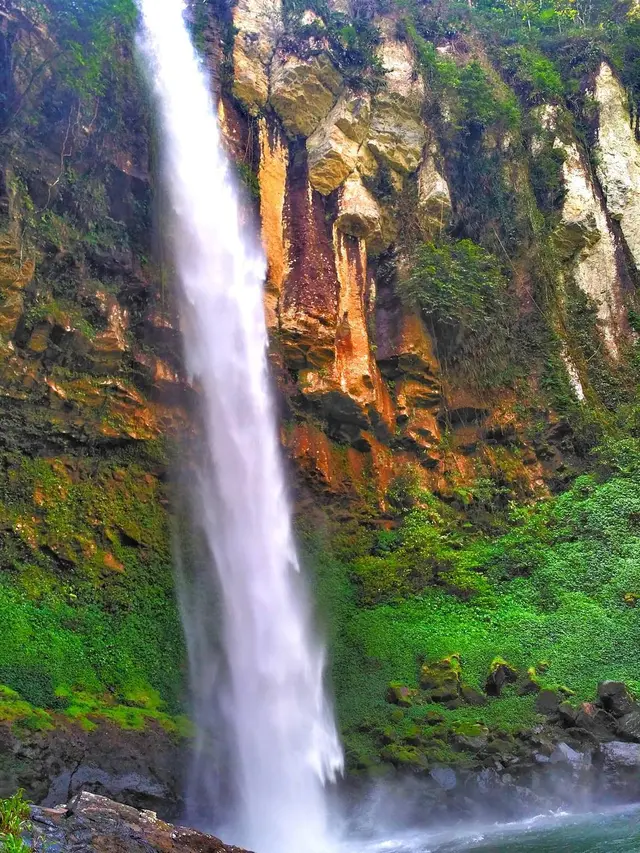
[{"x": 279, "y": 726}]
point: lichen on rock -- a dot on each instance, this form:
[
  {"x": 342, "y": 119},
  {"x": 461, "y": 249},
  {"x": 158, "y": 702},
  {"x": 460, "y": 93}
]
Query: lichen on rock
[
  {"x": 333, "y": 148},
  {"x": 302, "y": 91}
]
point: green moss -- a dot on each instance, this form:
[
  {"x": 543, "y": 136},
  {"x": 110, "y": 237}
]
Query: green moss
[{"x": 86, "y": 592}]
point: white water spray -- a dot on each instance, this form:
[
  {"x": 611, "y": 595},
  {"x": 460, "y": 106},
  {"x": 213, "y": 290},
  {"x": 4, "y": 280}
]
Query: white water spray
[{"x": 281, "y": 735}]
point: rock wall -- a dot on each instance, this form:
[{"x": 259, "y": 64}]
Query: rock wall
[{"x": 362, "y": 363}]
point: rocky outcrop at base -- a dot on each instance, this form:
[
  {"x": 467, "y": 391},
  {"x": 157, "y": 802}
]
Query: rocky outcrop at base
[
  {"x": 93, "y": 823},
  {"x": 141, "y": 768}
]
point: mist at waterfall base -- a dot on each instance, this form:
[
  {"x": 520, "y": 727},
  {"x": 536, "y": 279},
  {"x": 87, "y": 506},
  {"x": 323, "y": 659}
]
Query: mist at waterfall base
[{"x": 266, "y": 742}]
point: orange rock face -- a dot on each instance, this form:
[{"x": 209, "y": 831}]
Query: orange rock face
[{"x": 358, "y": 367}]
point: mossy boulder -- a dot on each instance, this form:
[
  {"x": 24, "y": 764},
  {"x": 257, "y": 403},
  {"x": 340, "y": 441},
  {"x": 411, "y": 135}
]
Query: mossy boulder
[
  {"x": 404, "y": 756},
  {"x": 442, "y": 679},
  {"x": 400, "y": 694},
  {"x": 471, "y": 696},
  {"x": 529, "y": 684},
  {"x": 548, "y": 702}
]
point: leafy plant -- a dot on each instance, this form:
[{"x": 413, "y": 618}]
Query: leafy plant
[
  {"x": 458, "y": 284},
  {"x": 14, "y": 816}
]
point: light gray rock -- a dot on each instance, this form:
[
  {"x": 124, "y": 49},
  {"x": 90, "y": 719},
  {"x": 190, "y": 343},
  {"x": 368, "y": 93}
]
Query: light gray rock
[
  {"x": 445, "y": 777},
  {"x": 618, "y": 754},
  {"x": 564, "y": 754}
]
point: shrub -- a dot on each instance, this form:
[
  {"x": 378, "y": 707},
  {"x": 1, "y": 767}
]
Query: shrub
[
  {"x": 482, "y": 104},
  {"x": 461, "y": 291},
  {"x": 534, "y": 75},
  {"x": 458, "y": 284}
]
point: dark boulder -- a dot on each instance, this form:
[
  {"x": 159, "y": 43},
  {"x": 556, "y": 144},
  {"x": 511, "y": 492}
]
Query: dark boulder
[
  {"x": 628, "y": 727},
  {"x": 548, "y": 702},
  {"x": 619, "y": 771},
  {"x": 615, "y": 698},
  {"x": 594, "y": 720},
  {"x": 500, "y": 673},
  {"x": 617, "y": 754},
  {"x": 141, "y": 768},
  {"x": 471, "y": 696}
]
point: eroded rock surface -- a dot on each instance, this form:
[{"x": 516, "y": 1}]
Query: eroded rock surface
[
  {"x": 303, "y": 90},
  {"x": 257, "y": 24},
  {"x": 93, "y": 823},
  {"x": 618, "y": 153}
]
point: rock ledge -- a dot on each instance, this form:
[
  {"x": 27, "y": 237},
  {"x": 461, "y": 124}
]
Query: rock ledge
[{"x": 94, "y": 823}]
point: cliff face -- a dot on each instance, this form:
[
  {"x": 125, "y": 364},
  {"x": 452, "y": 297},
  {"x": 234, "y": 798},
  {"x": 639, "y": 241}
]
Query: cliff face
[
  {"x": 354, "y": 176},
  {"x": 452, "y": 232}
]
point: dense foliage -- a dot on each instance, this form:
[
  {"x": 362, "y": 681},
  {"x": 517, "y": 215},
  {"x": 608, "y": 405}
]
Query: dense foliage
[{"x": 560, "y": 589}]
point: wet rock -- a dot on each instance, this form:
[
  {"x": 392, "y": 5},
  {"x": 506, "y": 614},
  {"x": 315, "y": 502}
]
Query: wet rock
[
  {"x": 615, "y": 698},
  {"x": 564, "y": 754},
  {"x": 500, "y": 673},
  {"x": 547, "y": 702},
  {"x": 95, "y": 823},
  {"x": 303, "y": 91},
  {"x": 628, "y": 726},
  {"x": 445, "y": 777},
  {"x": 617, "y": 754},
  {"x": 141, "y": 768}
]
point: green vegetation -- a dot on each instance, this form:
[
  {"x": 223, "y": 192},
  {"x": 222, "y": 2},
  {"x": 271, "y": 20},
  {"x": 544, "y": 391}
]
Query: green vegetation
[
  {"x": 89, "y": 38},
  {"x": 86, "y": 594},
  {"x": 352, "y": 39},
  {"x": 557, "y": 593},
  {"x": 458, "y": 284},
  {"x": 14, "y": 821},
  {"x": 462, "y": 292}
]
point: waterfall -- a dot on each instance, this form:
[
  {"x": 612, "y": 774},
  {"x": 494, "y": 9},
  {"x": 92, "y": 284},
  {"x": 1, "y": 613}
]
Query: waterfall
[{"x": 279, "y": 727}]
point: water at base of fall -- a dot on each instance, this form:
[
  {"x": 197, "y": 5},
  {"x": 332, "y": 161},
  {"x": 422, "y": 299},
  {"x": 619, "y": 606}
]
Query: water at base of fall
[{"x": 607, "y": 831}]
